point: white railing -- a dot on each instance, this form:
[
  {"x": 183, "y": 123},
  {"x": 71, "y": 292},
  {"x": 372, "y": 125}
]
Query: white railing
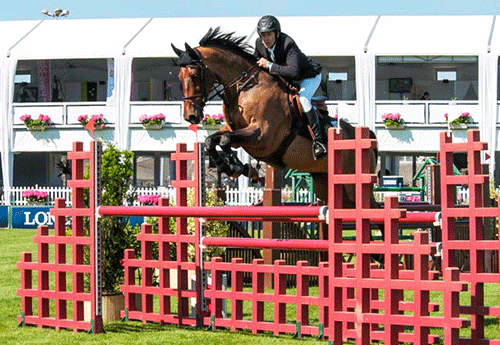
[{"x": 234, "y": 196}]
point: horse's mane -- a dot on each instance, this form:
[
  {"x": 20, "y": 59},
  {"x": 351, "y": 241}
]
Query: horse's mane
[{"x": 228, "y": 41}]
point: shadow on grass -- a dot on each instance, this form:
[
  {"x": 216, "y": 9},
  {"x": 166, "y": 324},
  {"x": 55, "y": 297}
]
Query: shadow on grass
[{"x": 137, "y": 326}]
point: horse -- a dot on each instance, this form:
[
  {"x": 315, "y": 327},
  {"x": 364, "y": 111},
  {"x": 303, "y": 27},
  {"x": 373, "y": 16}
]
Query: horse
[{"x": 257, "y": 111}]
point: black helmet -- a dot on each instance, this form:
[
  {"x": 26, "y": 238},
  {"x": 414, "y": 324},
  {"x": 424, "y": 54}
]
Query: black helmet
[{"x": 267, "y": 24}]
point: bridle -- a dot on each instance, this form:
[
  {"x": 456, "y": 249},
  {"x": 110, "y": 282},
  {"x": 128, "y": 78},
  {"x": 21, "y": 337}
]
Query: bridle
[{"x": 218, "y": 89}]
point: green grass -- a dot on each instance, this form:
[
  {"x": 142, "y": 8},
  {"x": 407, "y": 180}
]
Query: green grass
[{"x": 13, "y": 242}]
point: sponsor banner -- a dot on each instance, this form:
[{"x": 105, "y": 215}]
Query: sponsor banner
[
  {"x": 111, "y": 93},
  {"x": 29, "y": 217},
  {"x": 4, "y": 216},
  {"x": 43, "y": 80}
]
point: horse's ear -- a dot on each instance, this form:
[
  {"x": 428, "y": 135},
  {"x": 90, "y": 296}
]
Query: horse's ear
[
  {"x": 176, "y": 50},
  {"x": 192, "y": 54}
]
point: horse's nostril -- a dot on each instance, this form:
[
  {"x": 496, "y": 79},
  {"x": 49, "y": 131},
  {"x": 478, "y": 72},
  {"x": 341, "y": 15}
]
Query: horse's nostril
[{"x": 193, "y": 119}]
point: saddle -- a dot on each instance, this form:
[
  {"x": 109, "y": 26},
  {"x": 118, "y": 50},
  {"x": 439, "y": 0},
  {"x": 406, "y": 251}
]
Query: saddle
[{"x": 299, "y": 122}]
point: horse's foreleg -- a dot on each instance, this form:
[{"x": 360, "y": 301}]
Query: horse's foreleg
[
  {"x": 239, "y": 137},
  {"x": 211, "y": 145}
]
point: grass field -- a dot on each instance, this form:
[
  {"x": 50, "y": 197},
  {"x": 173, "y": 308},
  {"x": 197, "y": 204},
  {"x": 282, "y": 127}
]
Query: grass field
[{"x": 13, "y": 242}]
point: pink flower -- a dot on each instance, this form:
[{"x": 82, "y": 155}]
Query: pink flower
[
  {"x": 220, "y": 117},
  {"x": 82, "y": 118},
  {"x": 25, "y": 117},
  {"x": 336, "y": 116},
  {"x": 143, "y": 118},
  {"x": 446, "y": 115},
  {"x": 103, "y": 125},
  {"x": 465, "y": 114}
]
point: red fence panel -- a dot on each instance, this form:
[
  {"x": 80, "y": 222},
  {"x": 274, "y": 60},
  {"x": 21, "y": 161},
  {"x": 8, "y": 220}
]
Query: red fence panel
[
  {"x": 67, "y": 289},
  {"x": 482, "y": 236}
]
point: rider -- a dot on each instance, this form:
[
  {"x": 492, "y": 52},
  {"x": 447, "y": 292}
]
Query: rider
[{"x": 278, "y": 52}]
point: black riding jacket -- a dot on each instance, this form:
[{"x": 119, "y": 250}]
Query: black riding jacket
[{"x": 289, "y": 61}]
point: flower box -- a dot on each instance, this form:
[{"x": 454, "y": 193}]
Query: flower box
[
  {"x": 40, "y": 124},
  {"x": 153, "y": 126},
  {"x": 211, "y": 127},
  {"x": 152, "y": 122},
  {"x": 394, "y": 127},
  {"x": 458, "y": 126}
]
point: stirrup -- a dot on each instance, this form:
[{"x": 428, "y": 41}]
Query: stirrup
[{"x": 318, "y": 149}]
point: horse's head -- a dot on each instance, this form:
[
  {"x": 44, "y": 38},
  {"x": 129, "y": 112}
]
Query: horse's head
[{"x": 196, "y": 82}]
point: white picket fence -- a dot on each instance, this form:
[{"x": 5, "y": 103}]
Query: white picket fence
[
  {"x": 234, "y": 196},
  {"x": 17, "y": 199}
]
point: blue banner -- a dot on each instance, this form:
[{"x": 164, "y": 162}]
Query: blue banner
[
  {"x": 4, "y": 216},
  {"x": 30, "y": 217}
]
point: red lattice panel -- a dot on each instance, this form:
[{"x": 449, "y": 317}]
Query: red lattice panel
[
  {"x": 370, "y": 303},
  {"x": 145, "y": 265},
  {"x": 474, "y": 244},
  {"x": 58, "y": 290}
]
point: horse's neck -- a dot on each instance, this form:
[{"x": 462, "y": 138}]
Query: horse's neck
[{"x": 226, "y": 65}]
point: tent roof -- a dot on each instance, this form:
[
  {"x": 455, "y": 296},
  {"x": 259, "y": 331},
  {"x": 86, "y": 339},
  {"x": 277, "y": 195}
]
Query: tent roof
[
  {"x": 316, "y": 36},
  {"x": 156, "y": 37},
  {"x": 16, "y": 30},
  {"x": 87, "y": 38},
  {"x": 431, "y": 35}
]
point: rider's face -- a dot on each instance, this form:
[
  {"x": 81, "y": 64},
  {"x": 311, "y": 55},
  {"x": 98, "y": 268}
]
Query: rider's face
[{"x": 269, "y": 39}]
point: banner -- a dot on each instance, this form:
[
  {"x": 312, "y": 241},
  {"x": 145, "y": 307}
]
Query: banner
[
  {"x": 43, "y": 80},
  {"x": 111, "y": 93}
]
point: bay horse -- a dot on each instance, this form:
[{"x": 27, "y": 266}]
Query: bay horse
[{"x": 257, "y": 112}]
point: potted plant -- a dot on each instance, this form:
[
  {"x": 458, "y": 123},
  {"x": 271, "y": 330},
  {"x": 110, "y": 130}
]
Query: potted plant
[
  {"x": 393, "y": 121},
  {"x": 116, "y": 232},
  {"x": 152, "y": 121},
  {"x": 35, "y": 197},
  {"x": 99, "y": 121},
  {"x": 460, "y": 122},
  {"x": 39, "y": 124},
  {"x": 213, "y": 121}
]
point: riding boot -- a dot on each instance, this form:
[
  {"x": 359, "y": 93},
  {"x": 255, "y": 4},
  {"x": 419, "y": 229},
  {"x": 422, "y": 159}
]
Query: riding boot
[{"x": 319, "y": 142}]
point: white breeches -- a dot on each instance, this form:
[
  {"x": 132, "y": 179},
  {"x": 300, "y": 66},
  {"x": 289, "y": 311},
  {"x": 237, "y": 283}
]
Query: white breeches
[{"x": 308, "y": 88}]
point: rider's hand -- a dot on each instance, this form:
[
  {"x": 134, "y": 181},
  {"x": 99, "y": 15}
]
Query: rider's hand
[{"x": 263, "y": 62}]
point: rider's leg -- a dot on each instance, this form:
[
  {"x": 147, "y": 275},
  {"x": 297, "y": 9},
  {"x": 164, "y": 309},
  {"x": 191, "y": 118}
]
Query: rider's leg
[{"x": 307, "y": 89}]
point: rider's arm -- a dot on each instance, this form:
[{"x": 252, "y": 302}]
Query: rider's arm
[{"x": 291, "y": 67}]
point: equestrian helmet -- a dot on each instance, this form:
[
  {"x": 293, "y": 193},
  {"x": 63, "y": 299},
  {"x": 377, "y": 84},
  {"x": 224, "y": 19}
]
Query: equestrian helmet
[{"x": 267, "y": 24}]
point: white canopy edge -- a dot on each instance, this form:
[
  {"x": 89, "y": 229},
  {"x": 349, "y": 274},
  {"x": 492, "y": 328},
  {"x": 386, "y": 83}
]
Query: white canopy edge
[{"x": 316, "y": 36}]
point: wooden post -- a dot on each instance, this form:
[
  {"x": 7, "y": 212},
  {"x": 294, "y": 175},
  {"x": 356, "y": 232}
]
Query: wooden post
[{"x": 272, "y": 197}]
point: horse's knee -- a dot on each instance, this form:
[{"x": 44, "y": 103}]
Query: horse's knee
[
  {"x": 225, "y": 141},
  {"x": 210, "y": 142}
]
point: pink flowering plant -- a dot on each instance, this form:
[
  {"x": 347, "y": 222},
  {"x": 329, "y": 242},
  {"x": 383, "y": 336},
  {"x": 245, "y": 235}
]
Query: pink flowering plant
[
  {"x": 149, "y": 200},
  {"x": 152, "y": 120},
  {"x": 99, "y": 121},
  {"x": 34, "y": 195},
  {"x": 394, "y": 120},
  {"x": 212, "y": 120},
  {"x": 42, "y": 122},
  {"x": 464, "y": 118}
]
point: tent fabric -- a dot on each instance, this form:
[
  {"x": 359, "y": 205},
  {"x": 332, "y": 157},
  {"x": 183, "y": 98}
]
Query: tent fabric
[
  {"x": 431, "y": 35},
  {"x": 317, "y": 36},
  {"x": 7, "y": 73},
  {"x": 487, "y": 95},
  {"x": 82, "y": 38}
]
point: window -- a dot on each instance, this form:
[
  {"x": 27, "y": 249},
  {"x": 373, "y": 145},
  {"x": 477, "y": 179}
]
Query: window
[{"x": 446, "y": 76}]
